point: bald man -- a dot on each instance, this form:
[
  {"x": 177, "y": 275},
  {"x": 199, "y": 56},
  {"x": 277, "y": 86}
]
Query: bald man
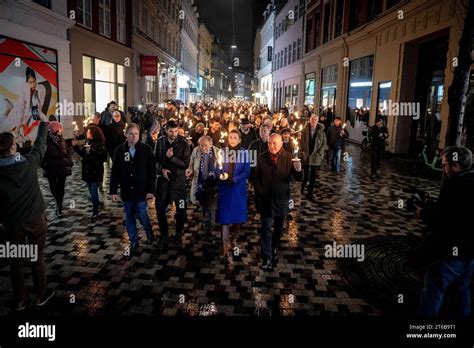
[{"x": 275, "y": 169}]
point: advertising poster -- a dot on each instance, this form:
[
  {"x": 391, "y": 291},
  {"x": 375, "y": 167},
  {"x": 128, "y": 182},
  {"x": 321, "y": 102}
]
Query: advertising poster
[{"x": 28, "y": 88}]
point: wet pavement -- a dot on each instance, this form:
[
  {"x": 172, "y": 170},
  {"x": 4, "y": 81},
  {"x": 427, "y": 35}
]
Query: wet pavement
[{"x": 92, "y": 276}]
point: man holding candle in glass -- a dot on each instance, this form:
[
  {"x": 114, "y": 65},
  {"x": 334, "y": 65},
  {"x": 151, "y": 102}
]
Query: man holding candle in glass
[
  {"x": 335, "y": 138},
  {"x": 272, "y": 186}
]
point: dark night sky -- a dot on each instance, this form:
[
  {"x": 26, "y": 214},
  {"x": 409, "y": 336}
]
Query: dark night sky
[{"x": 217, "y": 14}]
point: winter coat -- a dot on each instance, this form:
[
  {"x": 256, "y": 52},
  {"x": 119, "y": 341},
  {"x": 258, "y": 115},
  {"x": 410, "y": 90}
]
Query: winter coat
[
  {"x": 312, "y": 156},
  {"x": 92, "y": 161},
  {"x": 175, "y": 188},
  {"x": 272, "y": 184},
  {"x": 448, "y": 222},
  {"x": 378, "y": 136},
  {"x": 335, "y": 139},
  {"x": 246, "y": 139},
  {"x": 21, "y": 200},
  {"x": 194, "y": 163},
  {"x": 232, "y": 198},
  {"x": 135, "y": 175},
  {"x": 57, "y": 162},
  {"x": 114, "y": 136}
]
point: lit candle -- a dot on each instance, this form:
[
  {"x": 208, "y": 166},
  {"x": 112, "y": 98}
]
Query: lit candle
[
  {"x": 296, "y": 115},
  {"x": 223, "y": 175},
  {"x": 76, "y": 128},
  {"x": 296, "y": 159}
]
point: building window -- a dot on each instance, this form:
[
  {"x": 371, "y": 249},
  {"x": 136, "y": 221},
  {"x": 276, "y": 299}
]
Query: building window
[
  {"x": 355, "y": 15},
  {"x": 287, "y": 95},
  {"x": 150, "y": 89},
  {"x": 391, "y": 3},
  {"x": 294, "y": 51},
  {"x": 299, "y": 49},
  {"x": 328, "y": 89},
  {"x": 294, "y": 95},
  {"x": 302, "y": 7},
  {"x": 359, "y": 94},
  {"x": 317, "y": 28},
  {"x": 45, "y": 3},
  {"x": 83, "y": 14},
  {"x": 104, "y": 17},
  {"x": 286, "y": 56},
  {"x": 326, "y": 22},
  {"x": 121, "y": 36},
  {"x": 339, "y": 17},
  {"x": 309, "y": 89},
  {"x": 103, "y": 81},
  {"x": 383, "y": 95}
]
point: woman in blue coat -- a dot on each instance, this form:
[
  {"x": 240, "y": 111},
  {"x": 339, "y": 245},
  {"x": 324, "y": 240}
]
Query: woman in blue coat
[{"x": 232, "y": 192}]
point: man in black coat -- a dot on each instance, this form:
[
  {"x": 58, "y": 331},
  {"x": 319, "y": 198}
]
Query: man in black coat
[
  {"x": 378, "y": 134},
  {"x": 335, "y": 137},
  {"x": 248, "y": 134},
  {"x": 22, "y": 213},
  {"x": 448, "y": 248},
  {"x": 272, "y": 186},
  {"x": 134, "y": 170},
  {"x": 172, "y": 154}
]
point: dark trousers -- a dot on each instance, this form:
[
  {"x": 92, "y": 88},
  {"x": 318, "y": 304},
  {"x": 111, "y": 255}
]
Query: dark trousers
[
  {"x": 94, "y": 192},
  {"x": 309, "y": 177},
  {"x": 161, "y": 206},
  {"x": 57, "y": 185},
  {"x": 375, "y": 159},
  {"x": 208, "y": 208},
  {"x": 455, "y": 274},
  {"x": 270, "y": 241},
  {"x": 33, "y": 233}
]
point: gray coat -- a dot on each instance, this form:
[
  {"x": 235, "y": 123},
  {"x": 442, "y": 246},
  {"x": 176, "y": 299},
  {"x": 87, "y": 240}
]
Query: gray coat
[
  {"x": 194, "y": 166},
  {"x": 315, "y": 155}
]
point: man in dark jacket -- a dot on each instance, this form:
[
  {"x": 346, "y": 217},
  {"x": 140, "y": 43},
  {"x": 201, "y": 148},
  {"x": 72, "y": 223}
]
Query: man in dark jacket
[
  {"x": 272, "y": 186},
  {"x": 22, "y": 212},
  {"x": 247, "y": 133},
  {"x": 172, "y": 154},
  {"x": 448, "y": 249},
  {"x": 133, "y": 169},
  {"x": 378, "y": 134},
  {"x": 335, "y": 138}
]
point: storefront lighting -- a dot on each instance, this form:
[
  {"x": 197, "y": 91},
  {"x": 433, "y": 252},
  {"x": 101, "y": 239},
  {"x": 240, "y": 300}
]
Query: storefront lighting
[
  {"x": 386, "y": 85},
  {"x": 361, "y": 84}
]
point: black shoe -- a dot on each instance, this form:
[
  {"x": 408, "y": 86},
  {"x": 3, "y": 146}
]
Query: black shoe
[
  {"x": 150, "y": 240},
  {"x": 95, "y": 215},
  {"x": 275, "y": 257},
  {"x": 21, "y": 306},
  {"x": 310, "y": 197},
  {"x": 289, "y": 217},
  {"x": 59, "y": 212},
  {"x": 164, "y": 241},
  {"x": 42, "y": 301},
  {"x": 373, "y": 176},
  {"x": 267, "y": 266}
]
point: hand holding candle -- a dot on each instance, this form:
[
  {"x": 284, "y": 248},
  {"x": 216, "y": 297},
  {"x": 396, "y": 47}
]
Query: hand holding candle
[{"x": 223, "y": 175}]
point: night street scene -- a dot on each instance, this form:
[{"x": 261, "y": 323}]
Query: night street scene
[{"x": 273, "y": 171}]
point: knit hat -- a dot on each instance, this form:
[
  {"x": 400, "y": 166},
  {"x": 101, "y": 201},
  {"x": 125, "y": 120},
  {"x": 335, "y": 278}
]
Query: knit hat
[{"x": 54, "y": 127}]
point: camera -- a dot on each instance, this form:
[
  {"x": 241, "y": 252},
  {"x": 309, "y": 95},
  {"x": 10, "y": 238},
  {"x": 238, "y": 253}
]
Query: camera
[{"x": 419, "y": 199}]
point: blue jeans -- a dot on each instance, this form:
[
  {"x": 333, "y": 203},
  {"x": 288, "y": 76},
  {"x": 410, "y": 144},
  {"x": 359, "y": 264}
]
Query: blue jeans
[
  {"x": 336, "y": 160},
  {"x": 270, "y": 241},
  {"x": 138, "y": 210},
  {"x": 451, "y": 273},
  {"x": 94, "y": 191}
]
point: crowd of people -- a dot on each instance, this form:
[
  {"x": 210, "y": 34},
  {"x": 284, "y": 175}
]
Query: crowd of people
[{"x": 215, "y": 155}]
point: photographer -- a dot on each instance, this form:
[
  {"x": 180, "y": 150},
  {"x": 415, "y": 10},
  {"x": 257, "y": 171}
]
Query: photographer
[{"x": 448, "y": 249}]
